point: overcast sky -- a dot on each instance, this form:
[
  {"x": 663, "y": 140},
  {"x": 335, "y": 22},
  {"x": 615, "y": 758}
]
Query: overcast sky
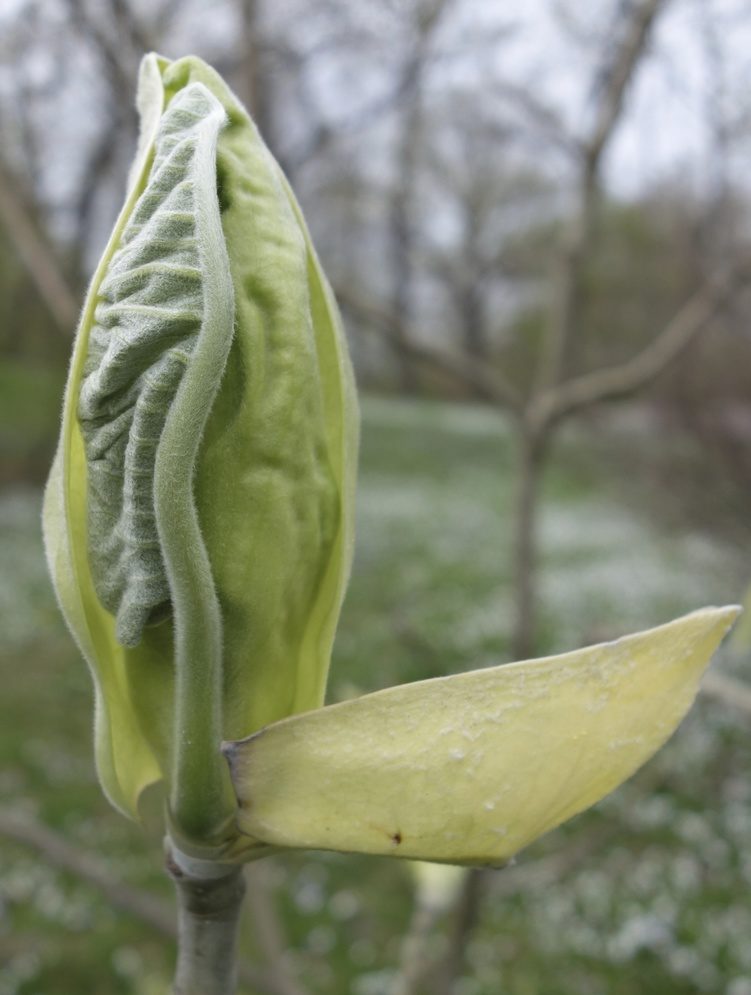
[
  {"x": 699, "y": 45},
  {"x": 665, "y": 132}
]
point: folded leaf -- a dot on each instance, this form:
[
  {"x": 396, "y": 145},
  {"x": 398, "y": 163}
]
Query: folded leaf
[
  {"x": 471, "y": 768},
  {"x": 153, "y": 304}
]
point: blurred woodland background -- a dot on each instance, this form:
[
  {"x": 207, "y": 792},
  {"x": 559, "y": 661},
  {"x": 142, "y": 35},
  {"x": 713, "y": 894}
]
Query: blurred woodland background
[{"x": 537, "y": 221}]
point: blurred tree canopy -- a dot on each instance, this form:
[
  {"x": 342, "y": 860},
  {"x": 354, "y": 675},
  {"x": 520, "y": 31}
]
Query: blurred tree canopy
[{"x": 480, "y": 182}]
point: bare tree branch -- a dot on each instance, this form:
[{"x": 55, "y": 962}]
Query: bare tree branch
[
  {"x": 268, "y": 929},
  {"x": 637, "y": 373},
  {"x": 127, "y": 22},
  {"x": 549, "y": 396},
  {"x": 545, "y": 119},
  {"x": 486, "y": 382},
  {"x": 56, "y": 850},
  {"x": 255, "y": 86},
  {"x": 99, "y": 160},
  {"x": 544, "y": 872},
  {"x": 401, "y": 209},
  {"x": 118, "y": 68},
  {"x": 324, "y": 133},
  {"x": 576, "y": 240},
  {"x": 618, "y": 78},
  {"x": 37, "y": 255}
]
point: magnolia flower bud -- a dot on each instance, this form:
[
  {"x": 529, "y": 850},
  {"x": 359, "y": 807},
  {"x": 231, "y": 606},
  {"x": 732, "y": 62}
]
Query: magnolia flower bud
[{"x": 198, "y": 517}]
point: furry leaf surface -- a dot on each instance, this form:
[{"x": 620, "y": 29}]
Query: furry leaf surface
[{"x": 199, "y": 513}]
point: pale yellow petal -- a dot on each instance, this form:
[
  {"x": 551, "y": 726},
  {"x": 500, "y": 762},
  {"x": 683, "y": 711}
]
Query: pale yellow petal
[{"x": 472, "y": 768}]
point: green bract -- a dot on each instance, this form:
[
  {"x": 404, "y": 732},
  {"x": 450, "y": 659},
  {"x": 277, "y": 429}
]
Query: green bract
[
  {"x": 471, "y": 768},
  {"x": 198, "y": 517}
]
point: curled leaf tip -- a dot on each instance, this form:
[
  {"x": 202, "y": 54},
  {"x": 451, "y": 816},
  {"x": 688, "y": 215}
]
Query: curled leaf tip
[{"x": 147, "y": 321}]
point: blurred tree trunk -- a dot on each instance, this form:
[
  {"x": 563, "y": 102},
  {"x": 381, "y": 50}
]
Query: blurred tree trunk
[
  {"x": 401, "y": 234},
  {"x": 464, "y": 919},
  {"x": 529, "y": 461},
  {"x": 402, "y": 225},
  {"x": 254, "y": 81},
  {"x": 37, "y": 254},
  {"x": 638, "y": 20},
  {"x": 471, "y": 303},
  {"x": 637, "y": 23}
]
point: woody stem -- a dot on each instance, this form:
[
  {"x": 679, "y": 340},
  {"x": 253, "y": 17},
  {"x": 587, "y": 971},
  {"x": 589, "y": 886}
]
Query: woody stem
[{"x": 209, "y": 899}]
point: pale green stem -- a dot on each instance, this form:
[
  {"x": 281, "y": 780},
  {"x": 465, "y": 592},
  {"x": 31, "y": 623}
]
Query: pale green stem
[{"x": 201, "y": 799}]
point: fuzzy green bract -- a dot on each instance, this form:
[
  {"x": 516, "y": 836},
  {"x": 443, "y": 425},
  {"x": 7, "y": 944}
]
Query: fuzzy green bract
[{"x": 198, "y": 517}]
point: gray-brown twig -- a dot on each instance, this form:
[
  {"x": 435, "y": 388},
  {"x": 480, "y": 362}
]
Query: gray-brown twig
[{"x": 60, "y": 853}]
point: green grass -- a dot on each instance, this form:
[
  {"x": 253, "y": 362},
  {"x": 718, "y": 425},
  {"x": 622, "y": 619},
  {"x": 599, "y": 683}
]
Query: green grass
[{"x": 659, "y": 908}]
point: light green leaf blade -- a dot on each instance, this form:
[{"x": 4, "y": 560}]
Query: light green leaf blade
[{"x": 472, "y": 768}]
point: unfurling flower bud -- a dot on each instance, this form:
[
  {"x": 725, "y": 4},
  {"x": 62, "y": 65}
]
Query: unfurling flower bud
[{"x": 198, "y": 517}]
